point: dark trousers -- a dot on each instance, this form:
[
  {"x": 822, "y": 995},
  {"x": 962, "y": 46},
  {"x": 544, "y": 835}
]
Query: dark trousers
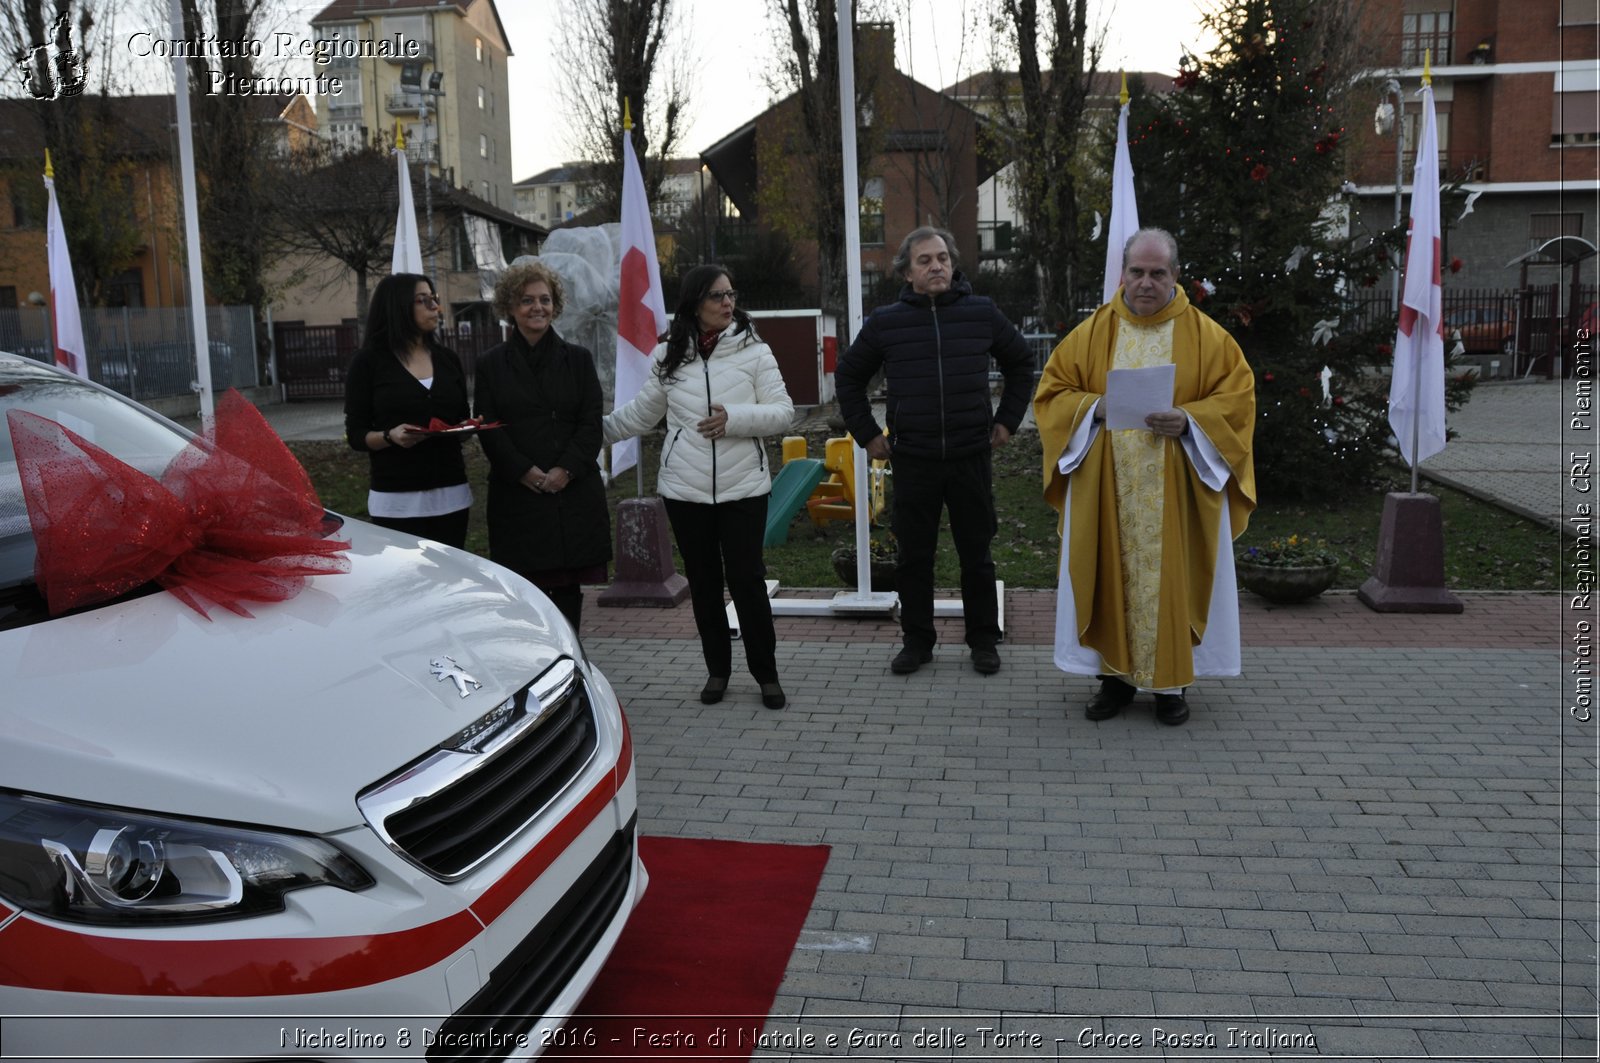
[
  {"x": 569, "y": 600},
  {"x": 922, "y": 489},
  {"x": 723, "y": 541},
  {"x": 447, "y": 528}
]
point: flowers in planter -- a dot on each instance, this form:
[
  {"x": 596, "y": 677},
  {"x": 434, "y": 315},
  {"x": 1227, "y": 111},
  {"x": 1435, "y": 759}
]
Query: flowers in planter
[{"x": 1294, "y": 551}]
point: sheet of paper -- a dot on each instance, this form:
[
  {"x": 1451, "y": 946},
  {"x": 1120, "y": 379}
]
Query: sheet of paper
[{"x": 1131, "y": 394}]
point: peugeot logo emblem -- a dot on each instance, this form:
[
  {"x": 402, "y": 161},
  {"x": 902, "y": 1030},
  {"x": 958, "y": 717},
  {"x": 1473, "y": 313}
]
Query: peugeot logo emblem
[{"x": 447, "y": 668}]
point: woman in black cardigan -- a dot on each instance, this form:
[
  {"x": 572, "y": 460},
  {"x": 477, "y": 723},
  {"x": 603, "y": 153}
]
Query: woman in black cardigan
[
  {"x": 398, "y": 381},
  {"x": 547, "y": 503}
]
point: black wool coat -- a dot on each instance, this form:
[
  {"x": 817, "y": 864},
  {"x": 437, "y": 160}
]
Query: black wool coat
[{"x": 548, "y": 397}]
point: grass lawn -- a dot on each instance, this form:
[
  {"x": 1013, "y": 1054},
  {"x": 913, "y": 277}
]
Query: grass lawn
[{"x": 1486, "y": 548}]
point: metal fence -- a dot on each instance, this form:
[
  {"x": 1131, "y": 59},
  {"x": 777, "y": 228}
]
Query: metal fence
[
  {"x": 146, "y": 352},
  {"x": 313, "y": 359}
]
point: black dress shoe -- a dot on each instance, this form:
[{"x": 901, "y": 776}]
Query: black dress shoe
[
  {"x": 909, "y": 660},
  {"x": 715, "y": 687},
  {"x": 772, "y": 695},
  {"x": 1113, "y": 698},
  {"x": 1171, "y": 709},
  {"x": 986, "y": 661}
]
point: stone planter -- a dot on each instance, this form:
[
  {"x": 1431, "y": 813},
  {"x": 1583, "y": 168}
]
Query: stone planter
[
  {"x": 844, "y": 566},
  {"x": 1285, "y": 584}
]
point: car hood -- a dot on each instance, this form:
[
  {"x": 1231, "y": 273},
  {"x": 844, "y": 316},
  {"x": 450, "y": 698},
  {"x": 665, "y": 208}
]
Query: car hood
[{"x": 281, "y": 718}]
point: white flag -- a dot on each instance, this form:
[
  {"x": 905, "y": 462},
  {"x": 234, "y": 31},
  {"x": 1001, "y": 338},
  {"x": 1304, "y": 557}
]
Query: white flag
[
  {"x": 1124, "y": 211},
  {"x": 66, "y": 324},
  {"x": 641, "y": 312},
  {"x": 1416, "y": 394},
  {"x": 407, "y": 248}
]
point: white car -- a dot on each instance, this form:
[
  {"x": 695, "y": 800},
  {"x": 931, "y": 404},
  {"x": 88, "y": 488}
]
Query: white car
[{"x": 392, "y": 816}]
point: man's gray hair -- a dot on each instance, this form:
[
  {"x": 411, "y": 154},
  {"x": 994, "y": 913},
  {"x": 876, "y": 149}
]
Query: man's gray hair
[
  {"x": 902, "y": 257},
  {"x": 1159, "y": 234}
]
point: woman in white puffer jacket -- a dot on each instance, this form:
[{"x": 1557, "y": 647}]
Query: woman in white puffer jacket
[{"x": 719, "y": 388}]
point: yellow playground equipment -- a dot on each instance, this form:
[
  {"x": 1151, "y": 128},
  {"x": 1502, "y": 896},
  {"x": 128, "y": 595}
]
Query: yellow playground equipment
[{"x": 835, "y": 497}]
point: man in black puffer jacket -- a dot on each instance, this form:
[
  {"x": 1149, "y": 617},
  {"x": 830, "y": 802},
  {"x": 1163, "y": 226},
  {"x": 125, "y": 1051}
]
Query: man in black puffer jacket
[{"x": 934, "y": 346}]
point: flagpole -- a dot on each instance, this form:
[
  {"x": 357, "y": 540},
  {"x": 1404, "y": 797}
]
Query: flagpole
[
  {"x": 191, "y": 222},
  {"x": 638, "y": 463},
  {"x": 1416, "y": 376}
]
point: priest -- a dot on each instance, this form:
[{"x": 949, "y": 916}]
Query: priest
[{"x": 1146, "y": 598}]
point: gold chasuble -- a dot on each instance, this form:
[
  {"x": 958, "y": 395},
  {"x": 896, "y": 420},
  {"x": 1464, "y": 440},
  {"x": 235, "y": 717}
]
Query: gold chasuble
[{"x": 1143, "y": 530}]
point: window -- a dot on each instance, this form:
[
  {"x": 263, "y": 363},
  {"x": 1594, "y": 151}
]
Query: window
[
  {"x": 482, "y": 98},
  {"x": 483, "y": 146},
  {"x": 1545, "y": 227},
  {"x": 1576, "y": 113},
  {"x": 8, "y": 297},
  {"x": 126, "y": 289},
  {"x": 1425, "y": 26},
  {"x": 872, "y": 213},
  {"x": 477, "y": 46},
  {"x": 1579, "y": 13}
]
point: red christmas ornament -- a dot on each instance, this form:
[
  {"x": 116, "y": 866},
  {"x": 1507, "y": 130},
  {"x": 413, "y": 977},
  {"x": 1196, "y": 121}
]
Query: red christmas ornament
[
  {"x": 1338, "y": 400},
  {"x": 1455, "y": 265},
  {"x": 1260, "y": 172},
  {"x": 1385, "y": 349},
  {"x": 1266, "y": 378},
  {"x": 1305, "y": 392}
]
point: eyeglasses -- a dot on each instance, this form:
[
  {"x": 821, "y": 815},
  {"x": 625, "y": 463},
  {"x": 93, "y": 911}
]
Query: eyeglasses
[
  {"x": 718, "y": 296},
  {"x": 427, "y": 300}
]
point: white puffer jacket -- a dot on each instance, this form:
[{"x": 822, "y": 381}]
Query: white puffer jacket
[{"x": 741, "y": 375}]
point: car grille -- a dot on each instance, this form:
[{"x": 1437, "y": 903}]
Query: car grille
[
  {"x": 454, "y": 808},
  {"x": 525, "y": 983}
]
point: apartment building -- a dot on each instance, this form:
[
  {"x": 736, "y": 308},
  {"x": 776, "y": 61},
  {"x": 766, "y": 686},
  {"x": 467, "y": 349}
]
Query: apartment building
[
  {"x": 1517, "y": 93},
  {"x": 439, "y": 70}
]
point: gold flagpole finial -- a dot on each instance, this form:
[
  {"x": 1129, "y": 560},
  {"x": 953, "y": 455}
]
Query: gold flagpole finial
[
  {"x": 49, "y": 171},
  {"x": 399, "y": 136},
  {"x": 627, "y": 116},
  {"x": 1122, "y": 97},
  {"x": 1427, "y": 66}
]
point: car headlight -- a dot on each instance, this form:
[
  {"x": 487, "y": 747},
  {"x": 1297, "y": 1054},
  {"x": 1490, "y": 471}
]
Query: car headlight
[{"x": 89, "y": 864}]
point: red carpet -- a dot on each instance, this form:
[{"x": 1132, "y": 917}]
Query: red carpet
[{"x": 699, "y": 964}]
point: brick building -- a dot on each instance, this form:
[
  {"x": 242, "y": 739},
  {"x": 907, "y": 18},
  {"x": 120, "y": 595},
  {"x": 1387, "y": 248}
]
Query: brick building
[
  {"x": 1517, "y": 89},
  {"x": 928, "y": 166}
]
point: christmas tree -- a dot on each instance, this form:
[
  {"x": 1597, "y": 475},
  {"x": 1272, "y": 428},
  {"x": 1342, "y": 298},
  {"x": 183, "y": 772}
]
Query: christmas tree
[{"x": 1243, "y": 163}]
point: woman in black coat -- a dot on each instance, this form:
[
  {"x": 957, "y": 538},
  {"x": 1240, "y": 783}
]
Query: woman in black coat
[
  {"x": 547, "y": 502},
  {"x": 398, "y": 382}
]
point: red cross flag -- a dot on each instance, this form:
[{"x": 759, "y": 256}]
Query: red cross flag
[
  {"x": 66, "y": 324},
  {"x": 1416, "y": 394},
  {"x": 641, "y": 312}
]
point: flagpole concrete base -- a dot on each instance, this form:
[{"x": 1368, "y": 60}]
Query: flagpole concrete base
[
  {"x": 1409, "y": 574},
  {"x": 646, "y": 575}
]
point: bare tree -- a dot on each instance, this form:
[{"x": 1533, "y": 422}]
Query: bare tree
[
  {"x": 235, "y": 141},
  {"x": 1056, "y": 53},
  {"x": 801, "y": 160},
  {"x": 63, "y": 80},
  {"x": 616, "y": 50},
  {"x": 930, "y": 160},
  {"x": 339, "y": 214}
]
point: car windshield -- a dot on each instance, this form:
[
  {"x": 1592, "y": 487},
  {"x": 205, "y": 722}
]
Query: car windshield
[{"x": 98, "y": 416}]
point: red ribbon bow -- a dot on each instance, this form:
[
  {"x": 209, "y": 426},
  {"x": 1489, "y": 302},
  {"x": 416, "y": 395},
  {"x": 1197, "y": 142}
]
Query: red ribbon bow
[{"x": 234, "y": 518}]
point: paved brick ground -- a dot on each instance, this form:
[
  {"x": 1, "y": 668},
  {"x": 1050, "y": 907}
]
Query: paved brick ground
[
  {"x": 1365, "y": 842},
  {"x": 1378, "y": 843}
]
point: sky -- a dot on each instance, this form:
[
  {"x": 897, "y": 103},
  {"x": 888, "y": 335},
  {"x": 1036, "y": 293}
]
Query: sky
[{"x": 733, "y": 47}]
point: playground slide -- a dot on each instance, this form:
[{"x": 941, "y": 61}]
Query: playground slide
[{"x": 793, "y": 485}]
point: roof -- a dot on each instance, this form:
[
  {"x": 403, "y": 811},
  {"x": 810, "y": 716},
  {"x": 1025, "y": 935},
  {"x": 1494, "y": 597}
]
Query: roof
[
  {"x": 1107, "y": 84},
  {"x": 447, "y": 198},
  {"x": 357, "y": 10},
  {"x": 566, "y": 173},
  {"x": 145, "y": 123}
]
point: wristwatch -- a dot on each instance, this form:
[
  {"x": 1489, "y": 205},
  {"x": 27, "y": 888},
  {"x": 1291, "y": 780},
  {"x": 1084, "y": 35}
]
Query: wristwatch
[{"x": 386, "y": 438}]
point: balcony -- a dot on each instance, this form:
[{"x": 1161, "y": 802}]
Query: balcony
[
  {"x": 398, "y": 103},
  {"x": 425, "y": 52}
]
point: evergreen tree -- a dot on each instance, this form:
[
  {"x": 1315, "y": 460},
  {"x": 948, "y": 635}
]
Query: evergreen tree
[{"x": 1243, "y": 163}]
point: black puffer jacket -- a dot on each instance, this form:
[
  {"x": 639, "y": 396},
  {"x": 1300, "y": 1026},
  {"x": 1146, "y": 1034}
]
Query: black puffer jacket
[{"x": 935, "y": 355}]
